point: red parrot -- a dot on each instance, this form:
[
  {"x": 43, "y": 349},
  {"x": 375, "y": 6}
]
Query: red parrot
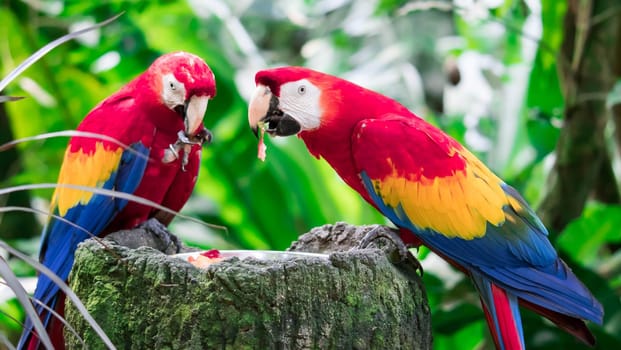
[
  {"x": 158, "y": 115},
  {"x": 433, "y": 188}
]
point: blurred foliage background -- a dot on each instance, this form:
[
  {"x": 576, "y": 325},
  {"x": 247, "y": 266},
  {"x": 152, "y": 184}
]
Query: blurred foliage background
[{"x": 485, "y": 71}]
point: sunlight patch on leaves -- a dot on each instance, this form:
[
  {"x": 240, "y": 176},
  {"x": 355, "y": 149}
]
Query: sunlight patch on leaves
[
  {"x": 583, "y": 238},
  {"x": 614, "y": 96}
]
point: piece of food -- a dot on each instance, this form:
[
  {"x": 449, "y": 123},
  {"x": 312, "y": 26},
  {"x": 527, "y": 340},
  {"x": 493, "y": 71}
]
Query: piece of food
[
  {"x": 205, "y": 259},
  {"x": 262, "y": 147}
]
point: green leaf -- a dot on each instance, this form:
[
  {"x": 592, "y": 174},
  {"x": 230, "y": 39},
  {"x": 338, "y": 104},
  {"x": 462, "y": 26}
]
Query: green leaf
[
  {"x": 614, "y": 96},
  {"x": 10, "y": 314},
  {"x": 598, "y": 225},
  {"x": 452, "y": 320},
  {"x": 544, "y": 91},
  {"x": 469, "y": 335},
  {"x": 543, "y": 135}
]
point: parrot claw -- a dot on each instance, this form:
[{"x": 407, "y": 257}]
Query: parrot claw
[
  {"x": 404, "y": 254},
  {"x": 204, "y": 136},
  {"x": 168, "y": 240},
  {"x": 185, "y": 143}
]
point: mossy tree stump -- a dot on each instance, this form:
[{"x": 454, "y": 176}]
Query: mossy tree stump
[{"x": 353, "y": 299}]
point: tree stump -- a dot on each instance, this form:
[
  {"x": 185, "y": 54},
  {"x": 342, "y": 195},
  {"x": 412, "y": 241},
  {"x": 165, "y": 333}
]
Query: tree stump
[{"x": 351, "y": 299}]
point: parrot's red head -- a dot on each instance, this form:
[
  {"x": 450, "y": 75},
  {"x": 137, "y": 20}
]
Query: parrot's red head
[
  {"x": 184, "y": 83},
  {"x": 291, "y": 100}
]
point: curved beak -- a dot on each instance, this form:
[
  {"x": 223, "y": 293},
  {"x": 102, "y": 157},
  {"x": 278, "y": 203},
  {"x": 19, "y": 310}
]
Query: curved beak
[
  {"x": 264, "y": 112},
  {"x": 194, "y": 112},
  {"x": 258, "y": 107}
]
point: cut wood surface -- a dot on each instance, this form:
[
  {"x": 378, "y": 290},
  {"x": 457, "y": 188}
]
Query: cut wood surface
[{"x": 351, "y": 299}]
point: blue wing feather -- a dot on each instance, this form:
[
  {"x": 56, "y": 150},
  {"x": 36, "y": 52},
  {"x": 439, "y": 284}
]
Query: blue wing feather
[
  {"x": 61, "y": 239},
  {"x": 515, "y": 255}
]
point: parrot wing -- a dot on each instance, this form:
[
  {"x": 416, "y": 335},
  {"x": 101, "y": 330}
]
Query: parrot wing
[
  {"x": 92, "y": 163},
  {"x": 426, "y": 182},
  {"x": 87, "y": 212},
  {"x": 110, "y": 169}
]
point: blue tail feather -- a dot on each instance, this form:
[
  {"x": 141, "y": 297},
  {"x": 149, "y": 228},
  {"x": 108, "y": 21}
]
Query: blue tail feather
[
  {"x": 503, "y": 314},
  {"x": 60, "y": 239}
]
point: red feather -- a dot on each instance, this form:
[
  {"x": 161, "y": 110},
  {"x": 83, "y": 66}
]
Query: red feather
[
  {"x": 506, "y": 319},
  {"x": 135, "y": 115},
  {"x": 432, "y": 187}
]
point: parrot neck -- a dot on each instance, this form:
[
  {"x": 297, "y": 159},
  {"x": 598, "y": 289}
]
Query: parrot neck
[
  {"x": 333, "y": 140},
  {"x": 335, "y": 148}
]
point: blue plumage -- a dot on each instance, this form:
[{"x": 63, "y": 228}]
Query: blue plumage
[
  {"x": 60, "y": 239},
  {"x": 515, "y": 255}
]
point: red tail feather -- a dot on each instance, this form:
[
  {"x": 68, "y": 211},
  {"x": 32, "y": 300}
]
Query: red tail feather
[
  {"x": 507, "y": 321},
  {"x": 571, "y": 325},
  {"x": 54, "y": 329}
]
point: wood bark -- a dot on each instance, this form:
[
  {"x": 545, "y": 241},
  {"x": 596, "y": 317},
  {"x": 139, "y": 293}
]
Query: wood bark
[{"x": 354, "y": 299}]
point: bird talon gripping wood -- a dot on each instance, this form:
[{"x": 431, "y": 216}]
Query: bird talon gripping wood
[{"x": 404, "y": 256}]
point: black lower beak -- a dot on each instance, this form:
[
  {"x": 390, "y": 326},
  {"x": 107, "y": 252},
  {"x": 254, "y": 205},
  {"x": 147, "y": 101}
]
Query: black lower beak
[
  {"x": 282, "y": 125},
  {"x": 180, "y": 109},
  {"x": 279, "y": 123}
]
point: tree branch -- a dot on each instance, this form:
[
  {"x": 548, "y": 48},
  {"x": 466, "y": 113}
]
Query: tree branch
[
  {"x": 349, "y": 299},
  {"x": 591, "y": 49}
]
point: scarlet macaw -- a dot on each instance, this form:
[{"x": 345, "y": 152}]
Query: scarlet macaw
[
  {"x": 430, "y": 186},
  {"x": 159, "y": 116}
]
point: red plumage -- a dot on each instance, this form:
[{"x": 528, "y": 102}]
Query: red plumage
[
  {"x": 158, "y": 115},
  {"x": 433, "y": 190}
]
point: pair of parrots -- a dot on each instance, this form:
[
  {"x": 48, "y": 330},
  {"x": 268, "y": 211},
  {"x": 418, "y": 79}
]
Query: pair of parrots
[{"x": 426, "y": 183}]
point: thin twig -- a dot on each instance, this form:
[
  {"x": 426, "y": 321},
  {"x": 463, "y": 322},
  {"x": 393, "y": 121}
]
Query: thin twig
[
  {"x": 605, "y": 15},
  {"x": 110, "y": 193}
]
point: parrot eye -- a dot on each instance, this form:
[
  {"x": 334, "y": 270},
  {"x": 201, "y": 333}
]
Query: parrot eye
[
  {"x": 302, "y": 89},
  {"x": 173, "y": 92}
]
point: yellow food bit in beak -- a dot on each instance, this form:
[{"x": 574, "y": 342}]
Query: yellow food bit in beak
[{"x": 261, "y": 147}]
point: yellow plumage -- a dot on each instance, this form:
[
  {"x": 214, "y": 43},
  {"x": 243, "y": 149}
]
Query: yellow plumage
[
  {"x": 83, "y": 169},
  {"x": 460, "y": 205}
]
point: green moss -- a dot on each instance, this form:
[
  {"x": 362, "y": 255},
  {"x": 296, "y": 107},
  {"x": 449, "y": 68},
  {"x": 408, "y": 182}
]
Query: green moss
[{"x": 151, "y": 301}]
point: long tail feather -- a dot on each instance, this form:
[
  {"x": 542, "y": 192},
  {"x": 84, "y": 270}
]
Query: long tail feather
[
  {"x": 571, "y": 325},
  {"x": 502, "y": 314},
  {"x": 30, "y": 339}
]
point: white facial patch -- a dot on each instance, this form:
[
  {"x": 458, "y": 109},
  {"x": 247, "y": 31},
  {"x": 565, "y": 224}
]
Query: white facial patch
[
  {"x": 173, "y": 91},
  {"x": 300, "y": 99}
]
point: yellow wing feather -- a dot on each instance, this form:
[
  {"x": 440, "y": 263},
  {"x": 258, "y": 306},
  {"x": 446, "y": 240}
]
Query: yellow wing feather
[
  {"x": 83, "y": 169},
  {"x": 460, "y": 205}
]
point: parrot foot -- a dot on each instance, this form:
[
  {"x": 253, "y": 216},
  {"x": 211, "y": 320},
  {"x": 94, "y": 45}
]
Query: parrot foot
[
  {"x": 184, "y": 143},
  {"x": 170, "y": 243},
  {"x": 404, "y": 256}
]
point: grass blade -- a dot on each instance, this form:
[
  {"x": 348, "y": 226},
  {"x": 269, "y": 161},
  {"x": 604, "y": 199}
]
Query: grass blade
[
  {"x": 61, "y": 319},
  {"x": 47, "y": 48},
  {"x": 70, "y": 133},
  {"x": 63, "y": 286},
  {"x": 10, "y": 98},
  {"x": 5, "y": 341},
  {"x": 22, "y": 297},
  {"x": 110, "y": 193}
]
